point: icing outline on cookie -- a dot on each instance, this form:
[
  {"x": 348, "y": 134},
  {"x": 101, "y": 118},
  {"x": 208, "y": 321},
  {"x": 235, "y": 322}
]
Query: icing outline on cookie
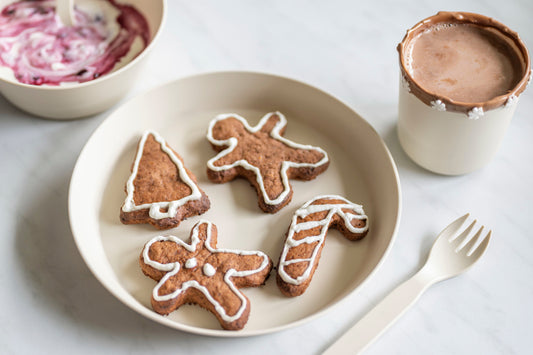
[
  {"x": 155, "y": 207},
  {"x": 295, "y": 227},
  {"x": 232, "y": 143},
  {"x": 174, "y": 267}
]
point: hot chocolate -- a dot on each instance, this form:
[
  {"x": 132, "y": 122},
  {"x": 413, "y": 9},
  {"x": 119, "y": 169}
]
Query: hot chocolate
[{"x": 464, "y": 62}]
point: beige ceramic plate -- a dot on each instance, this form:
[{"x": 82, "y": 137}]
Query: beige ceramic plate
[{"x": 361, "y": 169}]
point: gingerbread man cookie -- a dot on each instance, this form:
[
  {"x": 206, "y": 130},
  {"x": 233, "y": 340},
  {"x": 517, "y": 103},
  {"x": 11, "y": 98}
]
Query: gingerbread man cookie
[
  {"x": 200, "y": 273},
  {"x": 306, "y": 236},
  {"x": 261, "y": 155},
  {"x": 160, "y": 190}
]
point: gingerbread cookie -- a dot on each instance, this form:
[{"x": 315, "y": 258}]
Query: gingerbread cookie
[
  {"x": 306, "y": 236},
  {"x": 200, "y": 273},
  {"x": 160, "y": 190},
  {"x": 261, "y": 155}
]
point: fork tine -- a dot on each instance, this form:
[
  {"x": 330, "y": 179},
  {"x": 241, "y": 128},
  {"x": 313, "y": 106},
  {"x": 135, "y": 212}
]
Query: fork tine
[
  {"x": 455, "y": 225},
  {"x": 458, "y": 240},
  {"x": 469, "y": 246},
  {"x": 481, "y": 247}
]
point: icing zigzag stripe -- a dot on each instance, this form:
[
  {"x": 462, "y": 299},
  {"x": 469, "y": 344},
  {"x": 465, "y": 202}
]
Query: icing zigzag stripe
[{"x": 334, "y": 205}]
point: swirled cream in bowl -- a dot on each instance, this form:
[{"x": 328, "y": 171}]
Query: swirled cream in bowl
[{"x": 64, "y": 72}]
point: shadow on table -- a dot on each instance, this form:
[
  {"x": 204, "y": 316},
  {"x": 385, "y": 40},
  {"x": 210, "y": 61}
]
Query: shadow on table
[
  {"x": 408, "y": 169},
  {"x": 403, "y": 162},
  {"x": 53, "y": 269},
  {"x": 9, "y": 113}
]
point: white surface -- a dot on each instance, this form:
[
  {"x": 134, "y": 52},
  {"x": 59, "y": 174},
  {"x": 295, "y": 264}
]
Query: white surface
[
  {"x": 112, "y": 249},
  {"x": 53, "y": 304}
]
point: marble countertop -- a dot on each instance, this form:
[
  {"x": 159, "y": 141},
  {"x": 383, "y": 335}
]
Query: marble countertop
[{"x": 53, "y": 304}]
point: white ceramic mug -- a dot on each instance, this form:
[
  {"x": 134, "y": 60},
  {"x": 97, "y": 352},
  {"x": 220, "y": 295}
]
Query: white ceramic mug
[{"x": 446, "y": 136}]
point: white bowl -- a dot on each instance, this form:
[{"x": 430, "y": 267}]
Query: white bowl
[
  {"x": 91, "y": 97},
  {"x": 361, "y": 170}
]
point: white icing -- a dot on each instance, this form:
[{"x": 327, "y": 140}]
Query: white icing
[
  {"x": 275, "y": 133},
  {"x": 191, "y": 263},
  {"x": 208, "y": 270},
  {"x": 295, "y": 227},
  {"x": 155, "y": 207},
  {"x": 475, "y": 113},
  {"x": 174, "y": 267},
  {"x": 511, "y": 100},
  {"x": 438, "y": 105},
  {"x": 404, "y": 83}
]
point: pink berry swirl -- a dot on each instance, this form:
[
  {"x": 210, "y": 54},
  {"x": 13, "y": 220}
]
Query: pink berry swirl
[{"x": 40, "y": 50}]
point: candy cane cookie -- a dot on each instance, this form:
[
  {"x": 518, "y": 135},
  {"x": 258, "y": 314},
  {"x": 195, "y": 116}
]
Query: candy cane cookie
[
  {"x": 306, "y": 236},
  {"x": 200, "y": 273},
  {"x": 261, "y": 155},
  {"x": 160, "y": 190}
]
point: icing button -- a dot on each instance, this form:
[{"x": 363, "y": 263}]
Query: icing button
[
  {"x": 209, "y": 270},
  {"x": 511, "y": 101},
  {"x": 438, "y": 105},
  {"x": 475, "y": 113},
  {"x": 189, "y": 264}
]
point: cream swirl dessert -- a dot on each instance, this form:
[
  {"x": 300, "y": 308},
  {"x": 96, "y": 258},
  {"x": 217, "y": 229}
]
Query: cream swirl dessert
[{"x": 36, "y": 48}]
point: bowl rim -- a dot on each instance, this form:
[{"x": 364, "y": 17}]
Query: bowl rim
[
  {"x": 105, "y": 77},
  {"x": 218, "y": 333}
]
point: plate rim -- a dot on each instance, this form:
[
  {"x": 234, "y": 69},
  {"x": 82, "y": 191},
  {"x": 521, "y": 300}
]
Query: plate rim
[{"x": 220, "y": 332}]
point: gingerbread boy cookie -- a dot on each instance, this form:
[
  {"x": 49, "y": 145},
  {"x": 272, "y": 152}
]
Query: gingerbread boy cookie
[
  {"x": 160, "y": 190},
  {"x": 306, "y": 236},
  {"x": 200, "y": 273},
  {"x": 261, "y": 155}
]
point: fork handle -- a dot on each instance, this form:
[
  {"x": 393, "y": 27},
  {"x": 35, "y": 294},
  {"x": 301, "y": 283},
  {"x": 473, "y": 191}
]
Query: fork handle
[{"x": 381, "y": 317}]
